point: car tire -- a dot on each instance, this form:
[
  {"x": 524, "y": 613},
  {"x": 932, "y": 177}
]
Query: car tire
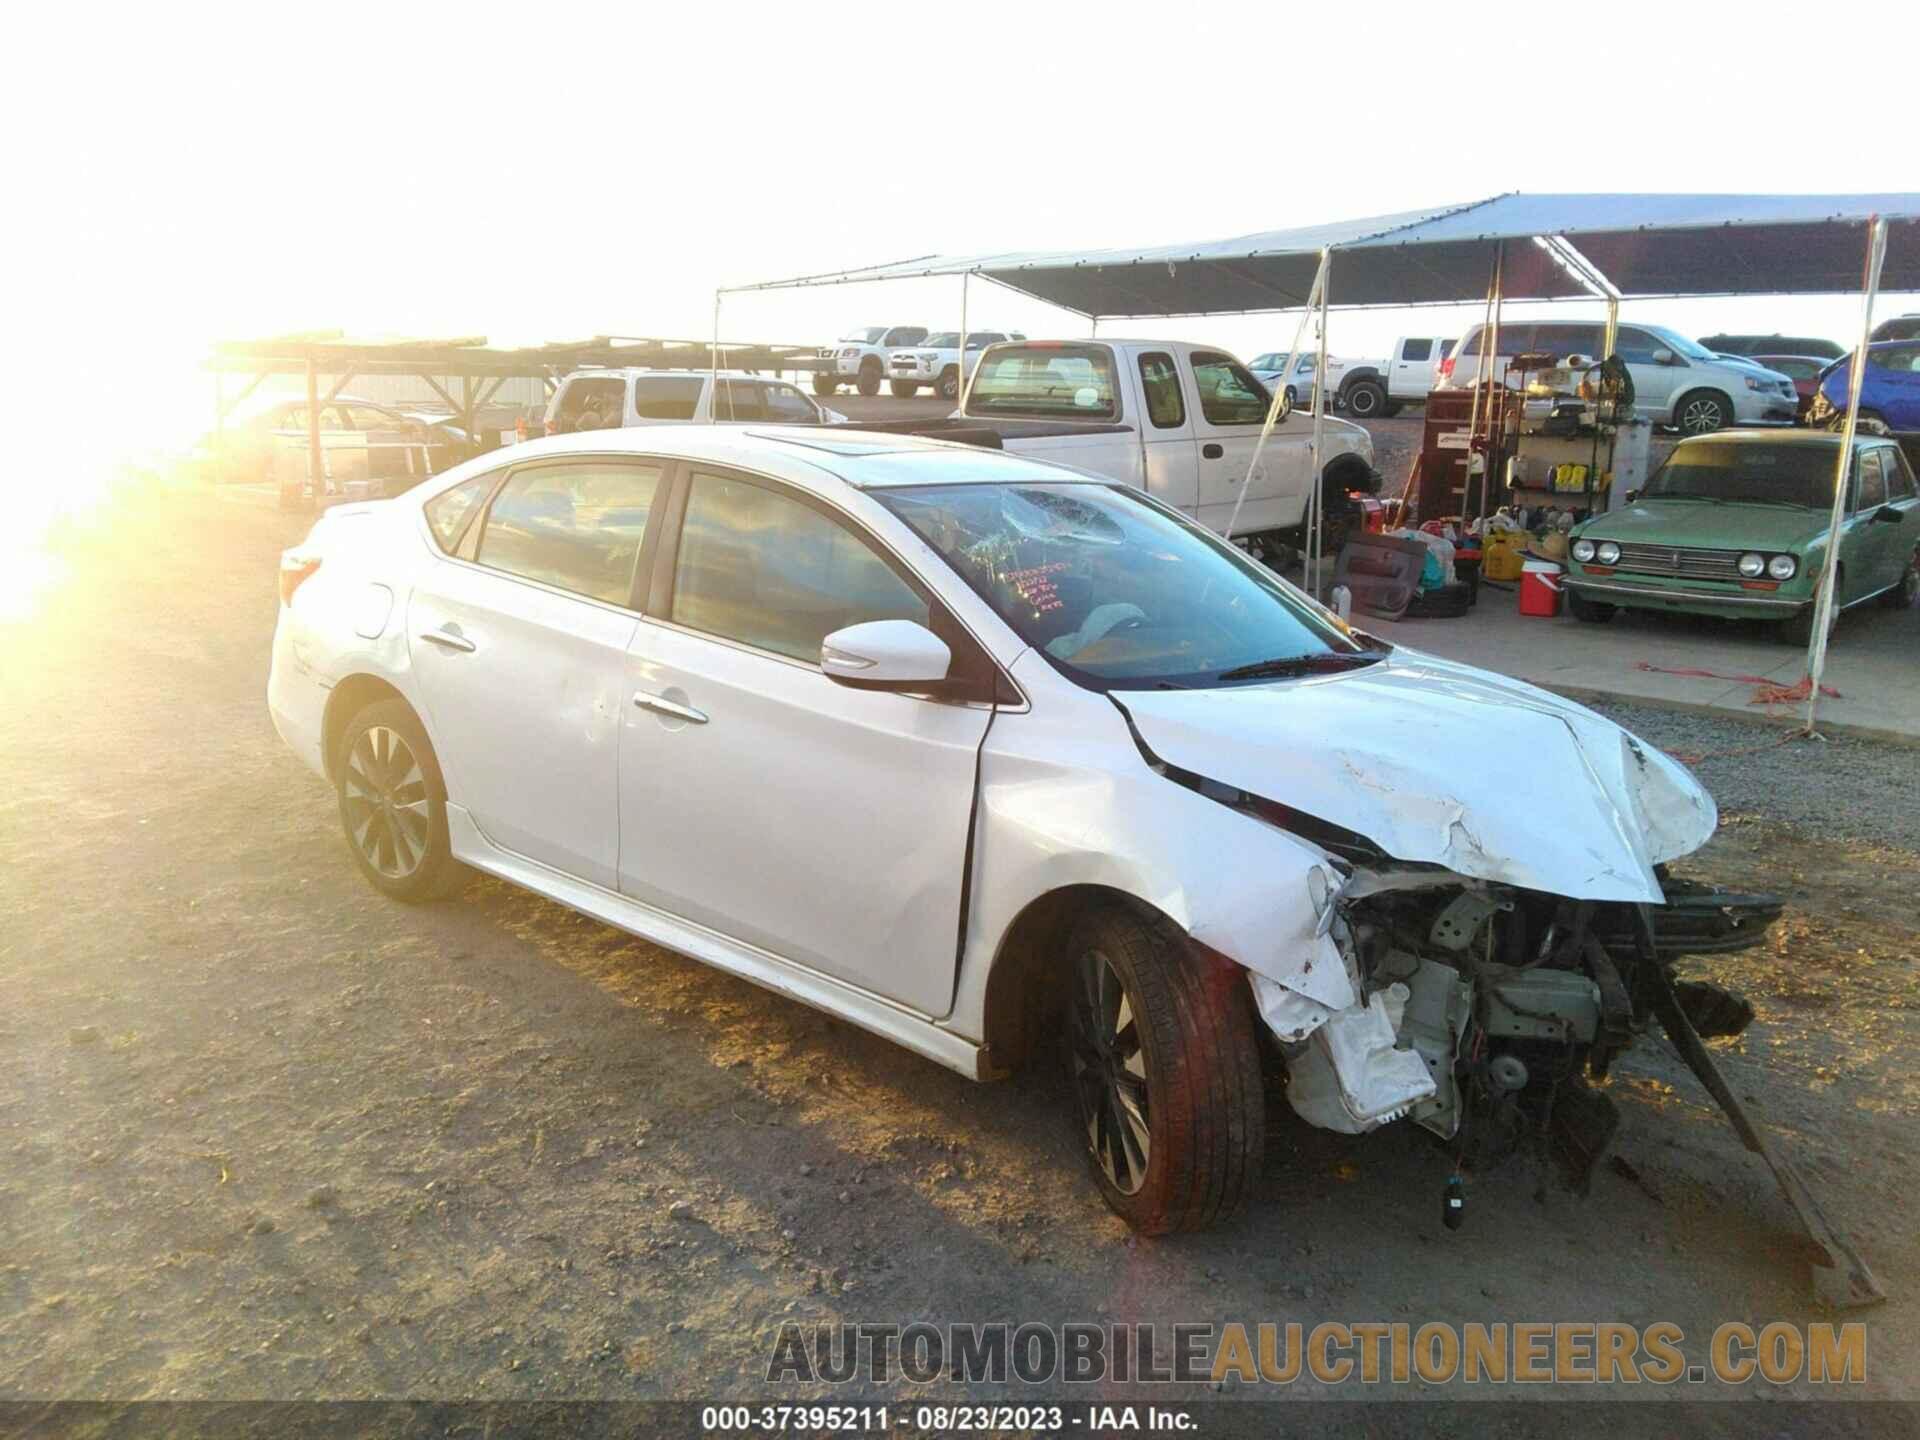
[
  {"x": 869, "y": 381},
  {"x": 1365, "y": 400},
  {"x": 1903, "y": 595},
  {"x": 950, "y": 383},
  {"x": 1293, "y": 397},
  {"x": 1390, "y": 409},
  {"x": 824, "y": 384},
  {"x": 1701, "y": 412},
  {"x": 393, "y": 804},
  {"x": 1594, "y": 612},
  {"x": 903, "y": 389},
  {"x": 1798, "y": 631},
  {"x": 1165, "y": 1067}
]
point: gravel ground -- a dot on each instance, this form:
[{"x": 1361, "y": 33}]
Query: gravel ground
[{"x": 1840, "y": 788}]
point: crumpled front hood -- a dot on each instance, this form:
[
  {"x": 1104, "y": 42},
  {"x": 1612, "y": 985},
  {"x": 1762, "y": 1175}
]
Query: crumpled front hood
[{"x": 1448, "y": 765}]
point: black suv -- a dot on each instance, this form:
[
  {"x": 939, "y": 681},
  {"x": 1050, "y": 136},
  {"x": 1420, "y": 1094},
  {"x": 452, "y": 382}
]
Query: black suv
[{"x": 1901, "y": 327}]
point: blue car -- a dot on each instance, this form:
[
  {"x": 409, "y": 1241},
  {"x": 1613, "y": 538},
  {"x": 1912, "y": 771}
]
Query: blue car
[{"x": 1889, "y": 398}]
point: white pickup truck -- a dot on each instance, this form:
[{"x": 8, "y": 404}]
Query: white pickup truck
[
  {"x": 615, "y": 399},
  {"x": 1367, "y": 388},
  {"x": 859, "y": 358},
  {"x": 1179, "y": 421},
  {"x": 935, "y": 361}
]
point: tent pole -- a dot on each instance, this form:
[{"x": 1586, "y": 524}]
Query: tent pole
[
  {"x": 1273, "y": 408},
  {"x": 960, "y": 384},
  {"x": 713, "y": 365},
  {"x": 1824, "y": 598},
  {"x": 1473, "y": 415},
  {"x": 1490, "y": 358},
  {"x": 1316, "y": 506}
]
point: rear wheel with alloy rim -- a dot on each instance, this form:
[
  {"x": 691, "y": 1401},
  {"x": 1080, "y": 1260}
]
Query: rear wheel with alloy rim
[
  {"x": 393, "y": 803},
  {"x": 869, "y": 381},
  {"x": 1701, "y": 412},
  {"x": 824, "y": 384},
  {"x": 1166, "y": 1072},
  {"x": 950, "y": 383}
]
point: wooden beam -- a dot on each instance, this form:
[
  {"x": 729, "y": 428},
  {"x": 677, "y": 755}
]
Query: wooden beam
[{"x": 314, "y": 465}]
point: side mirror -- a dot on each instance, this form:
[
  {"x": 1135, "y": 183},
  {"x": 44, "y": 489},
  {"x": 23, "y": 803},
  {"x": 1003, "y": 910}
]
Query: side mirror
[
  {"x": 1888, "y": 514},
  {"x": 1632, "y": 495},
  {"x": 1663, "y": 356},
  {"x": 886, "y": 655}
]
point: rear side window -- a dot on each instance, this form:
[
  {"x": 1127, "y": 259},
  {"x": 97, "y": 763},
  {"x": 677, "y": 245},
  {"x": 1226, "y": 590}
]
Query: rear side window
[
  {"x": 1417, "y": 350},
  {"x": 1046, "y": 382},
  {"x": 1561, "y": 341},
  {"x": 1899, "y": 476},
  {"x": 1229, "y": 395},
  {"x": 449, "y": 511},
  {"x": 1513, "y": 340},
  {"x": 577, "y": 526},
  {"x": 788, "y": 406},
  {"x": 595, "y": 402},
  {"x": 1160, "y": 384},
  {"x": 769, "y": 571},
  {"x": 666, "y": 397}
]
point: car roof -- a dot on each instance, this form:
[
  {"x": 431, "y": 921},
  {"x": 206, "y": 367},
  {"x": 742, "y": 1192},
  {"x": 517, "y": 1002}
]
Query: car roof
[
  {"x": 814, "y": 457},
  {"x": 1817, "y": 439},
  {"x": 642, "y": 372}
]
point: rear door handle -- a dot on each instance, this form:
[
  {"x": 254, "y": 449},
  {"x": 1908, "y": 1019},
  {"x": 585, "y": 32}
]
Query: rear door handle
[
  {"x": 661, "y": 705},
  {"x": 447, "y": 640},
  {"x": 1210, "y": 451}
]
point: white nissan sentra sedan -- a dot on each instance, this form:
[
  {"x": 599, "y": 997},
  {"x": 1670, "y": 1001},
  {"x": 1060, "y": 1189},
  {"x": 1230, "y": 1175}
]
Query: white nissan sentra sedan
[{"x": 991, "y": 757}]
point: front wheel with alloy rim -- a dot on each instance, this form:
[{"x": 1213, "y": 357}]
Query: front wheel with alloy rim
[
  {"x": 824, "y": 384},
  {"x": 1701, "y": 412},
  {"x": 869, "y": 382},
  {"x": 950, "y": 383},
  {"x": 1166, "y": 1072},
  {"x": 393, "y": 804}
]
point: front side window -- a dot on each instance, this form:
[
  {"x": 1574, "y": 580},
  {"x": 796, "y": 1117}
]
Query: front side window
[
  {"x": 449, "y": 511},
  {"x": 1417, "y": 350},
  {"x": 905, "y": 335},
  {"x": 1160, "y": 385},
  {"x": 788, "y": 406},
  {"x": 1899, "y": 476},
  {"x": 768, "y": 570},
  {"x": 577, "y": 526},
  {"x": 1229, "y": 395},
  {"x": 1635, "y": 345},
  {"x": 1046, "y": 382},
  {"x": 1903, "y": 360},
  {"x": 1117, "y": 592}
]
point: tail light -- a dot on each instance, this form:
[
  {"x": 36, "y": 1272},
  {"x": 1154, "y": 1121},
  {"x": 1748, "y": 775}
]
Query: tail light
[
  {"x": 1444, "y": 370},
  {"x": 296, "y": 567},
  {"x": 552, "y": 429}
]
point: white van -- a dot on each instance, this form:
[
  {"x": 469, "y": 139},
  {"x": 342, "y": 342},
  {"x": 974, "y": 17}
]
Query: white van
[
  {"x": 614, "y": 399},
  {"x": 1676, "y": 381}
]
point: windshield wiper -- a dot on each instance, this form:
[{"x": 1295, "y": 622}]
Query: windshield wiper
[{"x": 1284, "y": 665}]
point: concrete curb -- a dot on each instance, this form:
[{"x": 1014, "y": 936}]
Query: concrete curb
[{"x": 1587, "y": 694}]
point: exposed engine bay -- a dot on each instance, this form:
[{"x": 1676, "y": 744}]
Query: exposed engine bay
[{"x": 1484, "y": 1012}]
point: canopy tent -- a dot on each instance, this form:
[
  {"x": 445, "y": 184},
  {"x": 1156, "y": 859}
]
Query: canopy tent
[
  {"x": 1508, "y": 248},
  {"x": 1590, "y": 246}
]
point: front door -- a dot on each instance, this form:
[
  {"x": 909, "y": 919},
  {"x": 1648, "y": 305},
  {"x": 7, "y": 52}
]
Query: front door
[
  {"x": 766, "y": 801},
  {"x": 1170, "y": 453},
  {"x": 1232, "y": 407},
  {"x": 519, "y": 644},
  {"x": 1654, "y": 386}
]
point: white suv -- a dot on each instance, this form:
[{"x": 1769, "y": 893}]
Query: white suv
[
  {"x": 1676, "y": 381},
  {"x": 935, "y": 361},
  {"x": 616, "y": 399}
]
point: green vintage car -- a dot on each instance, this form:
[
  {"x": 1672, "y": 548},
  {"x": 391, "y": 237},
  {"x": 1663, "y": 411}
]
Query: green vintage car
[{"x": 1735, "y": 525}]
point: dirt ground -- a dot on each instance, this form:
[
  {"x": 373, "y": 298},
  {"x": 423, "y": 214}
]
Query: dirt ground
[{"x": 266, "y": 1134}]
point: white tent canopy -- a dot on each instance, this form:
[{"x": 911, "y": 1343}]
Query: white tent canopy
[{"x": 1637, "y": 246}]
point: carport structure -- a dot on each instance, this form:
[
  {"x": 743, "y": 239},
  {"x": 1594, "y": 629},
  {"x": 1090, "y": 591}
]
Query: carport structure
[
  {"x": 1515, "y": 247},
  {"x": 465, "y": 372}
]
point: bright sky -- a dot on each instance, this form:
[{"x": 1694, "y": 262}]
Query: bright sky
[{"x": 531, "y": 173}]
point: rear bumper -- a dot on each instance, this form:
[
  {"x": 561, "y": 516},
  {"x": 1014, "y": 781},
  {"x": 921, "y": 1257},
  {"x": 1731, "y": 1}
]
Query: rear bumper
[
  {"x": 1728, "y": 604},
  {"x": 297, "y": 701}
]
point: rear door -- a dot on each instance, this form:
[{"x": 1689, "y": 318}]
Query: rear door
[
  {"x": 1410, "y": 372},
  {"x": 1875, "y": 543},
  {"x": 518, "y": 641},
  {"x": 766, "y": 801},
  {"x": 1229, "y": 406}
]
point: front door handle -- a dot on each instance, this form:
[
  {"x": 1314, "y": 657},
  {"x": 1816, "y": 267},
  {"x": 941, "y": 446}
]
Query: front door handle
[
  {"x": 1211, "y": 451},
  {"x": 661, "y": 705},
  {"x": 447, "y": 640}
]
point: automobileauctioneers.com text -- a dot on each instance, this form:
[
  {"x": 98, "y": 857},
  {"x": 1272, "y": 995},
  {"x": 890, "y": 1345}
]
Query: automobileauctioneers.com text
[{"x": 1577, "y": 1352}]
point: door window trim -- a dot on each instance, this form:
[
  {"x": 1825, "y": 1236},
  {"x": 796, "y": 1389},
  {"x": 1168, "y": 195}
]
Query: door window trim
[{"x": 466, "y": 553}]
